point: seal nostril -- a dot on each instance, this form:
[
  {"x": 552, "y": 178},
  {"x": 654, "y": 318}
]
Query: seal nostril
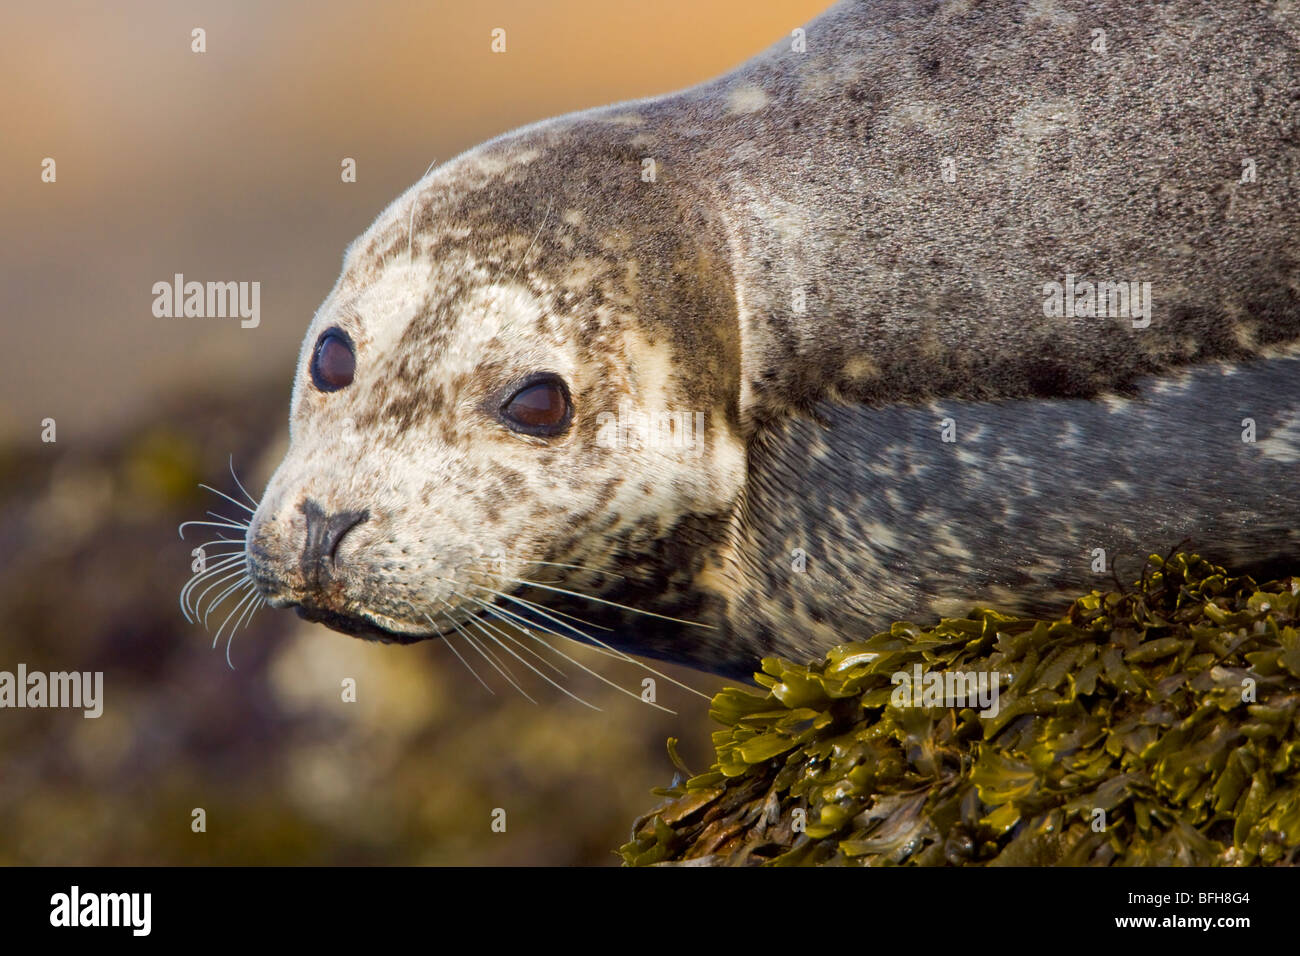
[{"x": 324, "y": 534}]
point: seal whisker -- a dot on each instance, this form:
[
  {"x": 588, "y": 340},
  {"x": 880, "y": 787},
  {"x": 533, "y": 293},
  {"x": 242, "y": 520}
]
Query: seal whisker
[
  {"x": 229, "y": 571},
  {"x": 230, "y": 638},
  {"x": 248, "y": 586},
  {"x": 582, "y": 635},
  {"x": 251, "y": 499},
  {"x": 217, "y": 542},
  {"x": 214, "y": 524},
  {"x": 222, "y": 563},
  {"x": 228, "y": 567},
  {"x": 555, "y": 564},
  {"x": 249, "y": 599},
  {"x": 486, "y": 650},
  {"x": 584, "y": 623},
  {"x": 480, "y": 624},
  {"x": 233, "y": 501},
  {"x": 218, "y": 567},
  {"x": 501, "y": 614},
  {"x": 543, "y": 676},
  {"x": 488, "y": 656},
  {"x": 602, "y": 647},
  {"x": 219, "y": 600},
  {"x": 536, "y": 609},
  {"x": 221, "y": 559},
  {"x": 579, "y": 567},
  {"x": 567, "y": 616},
  {"x": 237, "y": 522},
  {"x": 522, "y": 259},
  {"x": 241, "y": 580},
  {"x": 191, "y": 613},
  {"x": 218, "y": 562},
  {"x": 244, "y": 620},
  {"x": 447, "y": 641},
  {"x": 588, "y": 597}
]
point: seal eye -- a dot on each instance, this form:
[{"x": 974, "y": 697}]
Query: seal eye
[
  {"x": 334, "y": 362},
  {"x": 539, "y": 407}
]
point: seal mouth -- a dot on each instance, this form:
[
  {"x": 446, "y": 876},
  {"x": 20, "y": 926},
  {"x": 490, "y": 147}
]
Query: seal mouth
[{"x": 358, "y": 626}]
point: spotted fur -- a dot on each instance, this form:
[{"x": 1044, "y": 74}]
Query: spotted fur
[{"x": 818, "y": 176}]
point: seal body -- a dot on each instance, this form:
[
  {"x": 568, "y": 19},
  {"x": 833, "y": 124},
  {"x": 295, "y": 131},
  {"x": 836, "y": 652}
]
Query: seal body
[{"x": 931, "y": 304}]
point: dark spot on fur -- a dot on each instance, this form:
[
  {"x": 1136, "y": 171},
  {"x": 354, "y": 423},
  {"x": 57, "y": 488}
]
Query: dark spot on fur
[{"x": 1051, "y": 377}]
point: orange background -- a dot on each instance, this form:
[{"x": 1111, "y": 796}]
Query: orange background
[{"x": 225, "y": 165}]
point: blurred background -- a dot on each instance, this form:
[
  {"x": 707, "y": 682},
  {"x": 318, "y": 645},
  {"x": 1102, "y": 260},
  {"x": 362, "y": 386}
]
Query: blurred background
[{"x": 225, "y": 165}]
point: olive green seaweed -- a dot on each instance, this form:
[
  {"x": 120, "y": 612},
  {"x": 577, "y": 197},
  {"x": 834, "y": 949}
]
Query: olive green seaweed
[{"x": 1157, "y": 725}]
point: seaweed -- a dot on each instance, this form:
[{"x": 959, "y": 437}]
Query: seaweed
[{"x": 1158, "y": 725}]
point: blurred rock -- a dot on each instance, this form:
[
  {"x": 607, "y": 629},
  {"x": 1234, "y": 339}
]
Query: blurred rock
[{"x": 287, "y": 772}]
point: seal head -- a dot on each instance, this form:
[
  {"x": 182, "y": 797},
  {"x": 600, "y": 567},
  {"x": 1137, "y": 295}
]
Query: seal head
[{"x": 527, "y": 374}]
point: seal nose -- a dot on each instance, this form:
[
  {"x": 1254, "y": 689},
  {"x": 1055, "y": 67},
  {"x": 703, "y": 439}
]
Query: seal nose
[{"x": 324, "y": 533}]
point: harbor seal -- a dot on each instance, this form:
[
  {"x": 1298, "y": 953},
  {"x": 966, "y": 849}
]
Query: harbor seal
[{"x": 931, "y": 304}]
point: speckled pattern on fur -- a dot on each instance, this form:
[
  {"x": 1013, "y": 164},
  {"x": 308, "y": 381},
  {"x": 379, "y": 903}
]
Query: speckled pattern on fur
[{"x": 800, "y": 272}]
